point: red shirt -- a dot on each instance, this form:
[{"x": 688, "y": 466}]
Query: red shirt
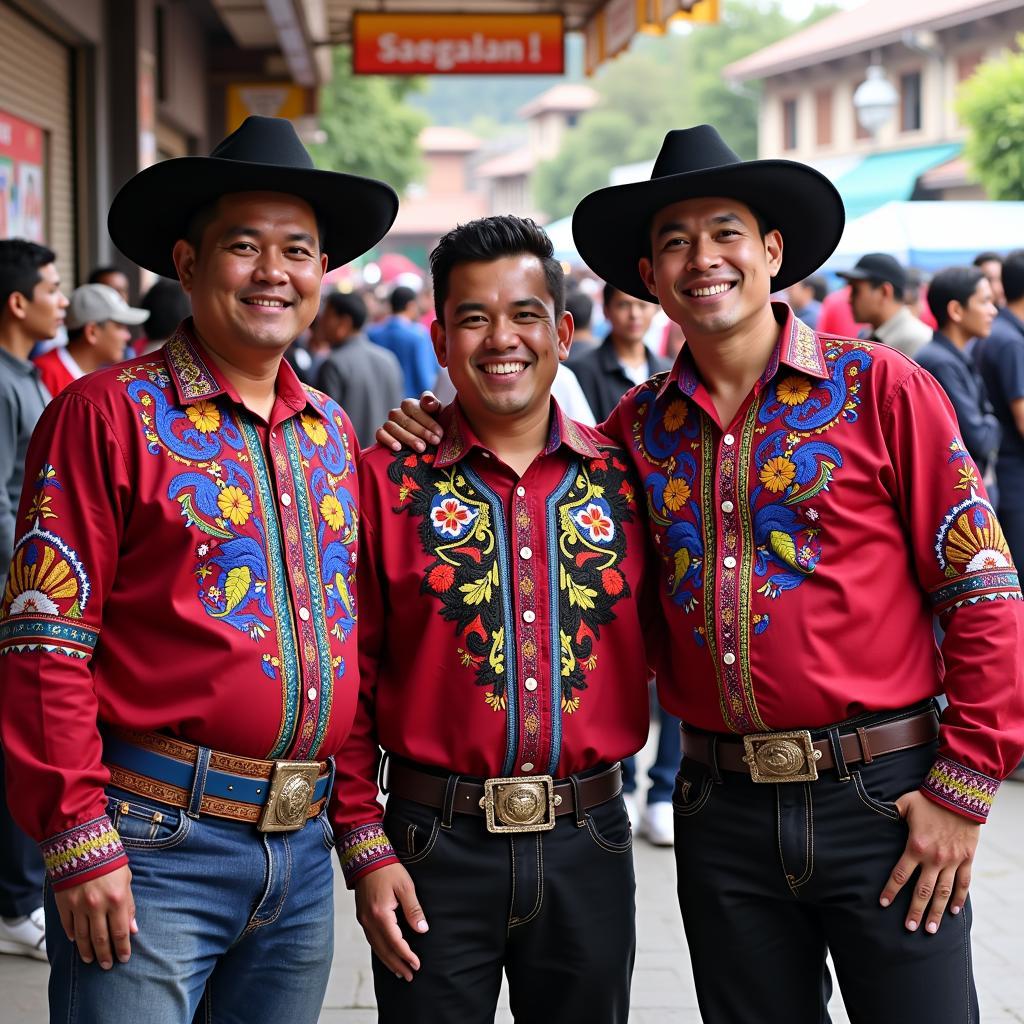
[
  {"x": 805, "y": 547},
  {"x": 184, "y": 567},
  {"x": 57, "y": 369},
  {"x": 501, "y": 631}
]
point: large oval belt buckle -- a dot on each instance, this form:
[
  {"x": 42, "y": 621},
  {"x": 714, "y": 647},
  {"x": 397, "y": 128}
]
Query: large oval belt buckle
[
  {"x": 292, "y": 784},
  {"x": 519, "y": 805},
  {"x": 781, "y": 756}
]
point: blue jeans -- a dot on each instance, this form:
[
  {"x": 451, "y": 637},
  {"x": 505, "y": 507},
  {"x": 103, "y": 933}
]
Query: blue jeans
[
  {"x": 666, "y": 761},
  {"x": 233, "y": 923}
]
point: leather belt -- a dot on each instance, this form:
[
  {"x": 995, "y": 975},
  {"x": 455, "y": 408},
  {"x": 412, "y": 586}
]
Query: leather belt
[
  {"x": 520, "y": 803},
  {"x": 276, "y": 796},
  {"x": 797, "y": 757}
]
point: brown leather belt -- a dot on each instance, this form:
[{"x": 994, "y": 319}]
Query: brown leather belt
[
  {"x": 796, "y": 757},
  {"x": 520, "y": 803},
  {"x": 276, "y": 796}
]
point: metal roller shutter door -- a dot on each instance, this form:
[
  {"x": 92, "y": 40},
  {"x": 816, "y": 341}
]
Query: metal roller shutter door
[{"x": 35, "y": 84}]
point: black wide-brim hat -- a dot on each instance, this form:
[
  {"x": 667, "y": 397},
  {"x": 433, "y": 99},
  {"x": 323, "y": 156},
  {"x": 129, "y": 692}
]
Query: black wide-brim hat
[
  {"x": 153, "y": 209},
  {"x": 611, "y": 227}
]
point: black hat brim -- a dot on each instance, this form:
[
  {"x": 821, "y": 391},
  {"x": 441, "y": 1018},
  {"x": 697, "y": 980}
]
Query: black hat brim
[
  {"x": 153, "y": 209},
  {"x": 611, "y": 227}
]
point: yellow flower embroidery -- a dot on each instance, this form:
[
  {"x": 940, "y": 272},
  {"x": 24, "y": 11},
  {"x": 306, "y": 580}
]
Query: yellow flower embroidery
[
  {"x": 205, "y": 415},
  {"x": 793, "y": 390},
  {"x": 331, "y": 510},
  {"x": 235, "y": 505},
  {"x": 314, "y": 428},
  {"x": 675, "y": 415},
  {"x": 677, "y": 492},
  {"x": 777, "y": 474}
]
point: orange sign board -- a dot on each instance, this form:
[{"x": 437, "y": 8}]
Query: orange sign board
[{"x": 458, "y": 44}]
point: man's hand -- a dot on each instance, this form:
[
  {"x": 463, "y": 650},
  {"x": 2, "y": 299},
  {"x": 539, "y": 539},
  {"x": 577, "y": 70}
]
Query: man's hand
[
  {"x": 942, "y": 844},
  {"x": 99, "y": 917},
  {"x": 411, "y": 425},
  {"x": 378, "y": 895}
]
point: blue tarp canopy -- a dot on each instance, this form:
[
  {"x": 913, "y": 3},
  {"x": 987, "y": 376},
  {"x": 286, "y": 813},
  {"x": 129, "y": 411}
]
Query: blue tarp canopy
[{"x": 884, "y": 177}]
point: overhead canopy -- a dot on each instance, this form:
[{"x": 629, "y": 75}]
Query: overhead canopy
[
  {"x": 884, "y": 177},
  {"x": 931, "y": 235},
  {"x": 560, "y": 233}
]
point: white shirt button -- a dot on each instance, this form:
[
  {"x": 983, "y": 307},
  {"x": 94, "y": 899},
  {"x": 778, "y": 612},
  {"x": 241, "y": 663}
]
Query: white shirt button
[
  {"x": 729, "y": 562},
  {"x": 521, "y": 491},
  {"x": 729, "y": 439},
  {"x": 528, "y": 616},
  {"x": 311, "y": 693},
  {"x": 486, "y": 455},
  {"x": 526, "y": 553},
  {"x": 729, "y": 658},
  {"x": 304, "y": 614},
  {"x": 727, "y": 506},
  {"x": 528, "y": 767},
  {"x": 286, "y": 499},
  {"x": 530, "y": 684}
]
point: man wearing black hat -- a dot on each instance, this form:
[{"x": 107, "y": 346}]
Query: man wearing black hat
[
  {"x": 179, "y": 619},
  {"x": 877, "y": 285},
  {"x": 813, "y": 507}
]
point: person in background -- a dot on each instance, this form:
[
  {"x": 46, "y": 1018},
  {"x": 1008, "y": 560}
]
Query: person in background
[
  {"x": 32, "y": 308},
  {"x": 806, "y": 297},
  {"x": 363, "y": 378},
  {"x": 112, "y": 278},
  {"x": 580, "y": 307},
  {"x": 877, "y": 282},
  {"x": 915, "y": 296},
  {"x": 991, "y": 265},
  {"x": 409, "y": 340},
  {"x": 835, "y": 316},
  {"x": 961, "y": 302},
  {"x": 167, "y": 305},
  {"x": 97, "y": 323}
]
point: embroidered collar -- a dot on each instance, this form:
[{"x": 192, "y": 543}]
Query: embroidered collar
[
  {"x": 798, "y": 347},
  {"x": 459, "y": 439},
  {"x": 197, "y": 378}
]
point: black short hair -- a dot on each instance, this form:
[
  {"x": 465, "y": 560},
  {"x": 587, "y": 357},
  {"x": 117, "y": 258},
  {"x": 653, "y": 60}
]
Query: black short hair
[
  {"x": 581, "y": 307},
  {"x": 954, "y": 284},
  {"x": 492, "y": 238},
  {"x": 608, "y": 293},
  {"x": 817, "y": 284},
  {"x": 986, "y": 257},
  {"x": 199, "y": 221},
  {"x": 400, "y": 298},
  {"x": 350, "y": 304},
  {"x": 1013, "y": 275},
  {"x": 20, "y": 263},
  {"x": 98, "y": 273},
  {"x": 168, "y": 305}
]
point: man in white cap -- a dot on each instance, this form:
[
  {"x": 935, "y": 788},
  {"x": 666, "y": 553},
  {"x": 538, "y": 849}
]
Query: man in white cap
[{"x": 97, "y": 321}]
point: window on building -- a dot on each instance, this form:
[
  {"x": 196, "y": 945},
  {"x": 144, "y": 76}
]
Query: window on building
[
  {"x": 823, "y": 117},
  {"x": 910, "y": 101},
  {"x": 789, "y": 124}
]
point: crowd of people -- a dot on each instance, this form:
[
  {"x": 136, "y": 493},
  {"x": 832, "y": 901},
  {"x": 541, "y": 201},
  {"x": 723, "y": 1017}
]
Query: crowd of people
[{"x": 791, "y": 492}]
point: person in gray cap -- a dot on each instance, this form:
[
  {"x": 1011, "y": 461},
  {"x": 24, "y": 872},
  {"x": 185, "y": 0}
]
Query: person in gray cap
[
  {"x": 97, "y": 321},
  {"x": 877, "y": 282}
]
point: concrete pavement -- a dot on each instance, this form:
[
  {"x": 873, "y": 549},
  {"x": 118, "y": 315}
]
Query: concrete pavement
[{"x": 662, "y": 986}]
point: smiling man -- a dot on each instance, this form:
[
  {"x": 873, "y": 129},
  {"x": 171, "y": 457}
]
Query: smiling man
[
  {"x": 813, "y": 506},
  {"x": 179, "y": 620},
  {"x": 503, "y": 671}
]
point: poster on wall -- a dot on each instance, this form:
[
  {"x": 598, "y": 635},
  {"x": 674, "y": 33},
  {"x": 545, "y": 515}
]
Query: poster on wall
[{"x": 22, "y": 179}]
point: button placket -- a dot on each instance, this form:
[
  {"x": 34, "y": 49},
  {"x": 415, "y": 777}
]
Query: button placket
[{"x": 527, "y": 649}]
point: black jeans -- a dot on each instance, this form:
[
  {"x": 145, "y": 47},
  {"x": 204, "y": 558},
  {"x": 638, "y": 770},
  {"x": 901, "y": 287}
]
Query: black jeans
[
  {"x": 21, "y": 864},
  {"x": 770, "y": 876},
  {"x": 554, "y": 909}
]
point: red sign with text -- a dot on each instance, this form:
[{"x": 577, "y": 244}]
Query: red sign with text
[{"x": 22, "y": 184}]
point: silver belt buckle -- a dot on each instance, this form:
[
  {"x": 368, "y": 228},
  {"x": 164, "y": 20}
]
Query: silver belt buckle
[
  {"x": 516, "y": 804},
  {"x": 781, "y": 756},
  {"x": 292, "y": 784}
]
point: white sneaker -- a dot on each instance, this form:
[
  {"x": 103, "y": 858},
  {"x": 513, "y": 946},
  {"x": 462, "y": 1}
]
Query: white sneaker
[
  {"x": 658, "y": 824},
  {"x": 633, "y": 810},
  {"x": 24, "y": 936}
]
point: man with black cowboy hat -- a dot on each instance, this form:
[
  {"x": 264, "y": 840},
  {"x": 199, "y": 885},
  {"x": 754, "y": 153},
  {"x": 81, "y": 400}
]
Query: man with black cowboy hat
[
  {"x": 813, "y": 508},
  {"x": 179, "y": 620}
]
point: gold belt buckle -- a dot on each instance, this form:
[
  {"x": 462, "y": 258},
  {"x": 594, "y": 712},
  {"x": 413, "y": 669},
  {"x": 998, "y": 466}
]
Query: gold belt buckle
[
  {"x": 292, "y": 784},
  {"x": 781, "y": 756},
  {"x": 521, "y": 805}
]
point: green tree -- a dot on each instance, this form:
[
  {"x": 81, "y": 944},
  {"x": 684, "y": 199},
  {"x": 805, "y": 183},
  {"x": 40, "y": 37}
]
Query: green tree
[
  {"x": 663, "y": 83},
  {"x": 370, "y": 128},
  {"x": 991, "y": 104}
]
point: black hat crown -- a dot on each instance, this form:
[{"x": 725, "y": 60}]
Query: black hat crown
[
  {"x": 264, "y": 140},
  {"x": 693, "y": 149}
]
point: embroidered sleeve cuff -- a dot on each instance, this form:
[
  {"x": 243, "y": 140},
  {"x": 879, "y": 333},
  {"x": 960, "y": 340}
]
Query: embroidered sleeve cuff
[
  {"x": 83, "y": 852},
  {"x": 961, "y": 789},
  {"x": 364, "y": 849}
]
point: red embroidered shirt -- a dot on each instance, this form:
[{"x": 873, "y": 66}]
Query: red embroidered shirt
[
  {"x": 501, "y": 631},
  {"x": 183, "y": 566},
  {"x": 805, "y": 547}
]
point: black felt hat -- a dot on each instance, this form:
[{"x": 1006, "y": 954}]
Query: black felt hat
[
  {"x": 611, "y": 226},
  {"x": 153, "y": 209}
]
